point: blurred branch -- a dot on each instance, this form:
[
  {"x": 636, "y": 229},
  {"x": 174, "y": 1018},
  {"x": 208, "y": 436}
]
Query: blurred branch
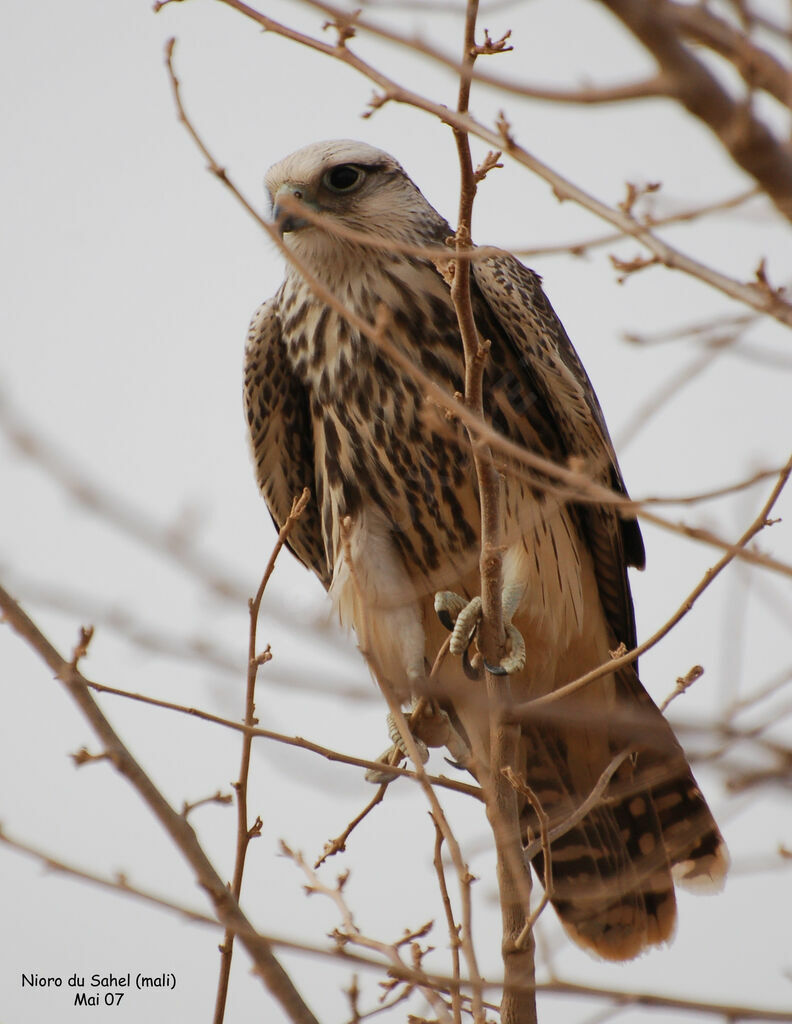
[
  {"x": 623, "y": 998},
  {"x": 352, "y": 20},
  {"x": 684, "y": 216},
  {"x": 198, "y": 648},
  {"x": 291, "y": 741},
  {"x": 119, "y": 512},
  {"x": 759, "y": 68},
  {"x": 748, "y": 141}
]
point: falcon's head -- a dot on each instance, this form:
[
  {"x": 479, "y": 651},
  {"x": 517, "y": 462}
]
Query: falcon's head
[{"x": 353, "y": 185}]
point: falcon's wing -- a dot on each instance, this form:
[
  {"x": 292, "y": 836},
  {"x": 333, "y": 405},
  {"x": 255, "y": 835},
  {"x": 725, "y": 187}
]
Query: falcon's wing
[
  {"x": 276, "y": 407},
  {"x": 514, "y": 296}
]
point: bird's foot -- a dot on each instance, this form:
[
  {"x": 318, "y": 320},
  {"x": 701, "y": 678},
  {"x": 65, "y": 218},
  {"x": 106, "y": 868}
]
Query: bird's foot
[
  {"x": 462, "y": 618},
  {"x": 396, "y": 752},
  {"x": 430, "y": 726}
]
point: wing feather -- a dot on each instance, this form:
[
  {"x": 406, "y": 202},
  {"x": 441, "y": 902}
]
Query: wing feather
[
  {"x": 514, "y": 296},
  {"x": 278, "y": 416}
]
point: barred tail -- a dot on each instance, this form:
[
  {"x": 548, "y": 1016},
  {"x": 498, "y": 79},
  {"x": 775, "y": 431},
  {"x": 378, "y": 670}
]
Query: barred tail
[{"x": 613, "y": 870}]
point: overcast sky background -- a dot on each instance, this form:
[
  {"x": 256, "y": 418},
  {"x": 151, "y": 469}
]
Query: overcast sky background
[{"x": 129, "y": 276}]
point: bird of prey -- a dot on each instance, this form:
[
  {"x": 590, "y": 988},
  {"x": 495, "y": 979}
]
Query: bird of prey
[{"x": 393, "y": 529}]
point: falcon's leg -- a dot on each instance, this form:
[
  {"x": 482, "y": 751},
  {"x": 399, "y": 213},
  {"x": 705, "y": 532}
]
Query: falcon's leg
[{"x": 463, "y": 618}]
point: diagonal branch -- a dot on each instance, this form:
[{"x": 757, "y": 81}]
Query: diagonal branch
[
  {"x": 760, "y": 298},
  {"x": 748, "y": 140},
  {"x": 178, "y": 828},
  {"x": 759, "y": 68}
]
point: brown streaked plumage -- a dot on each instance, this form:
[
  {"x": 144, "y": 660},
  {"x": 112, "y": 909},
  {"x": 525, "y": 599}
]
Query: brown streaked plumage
[{"x": 328, "y": 410}]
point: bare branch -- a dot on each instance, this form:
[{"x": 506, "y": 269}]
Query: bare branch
[
  {"x": 267, "y": 965},
  {"x": 502, "y": 138},
  {"x": 747, "y": 139},
  {"x": 246, "y": 832},
  {"x": 758, "y": 67}
]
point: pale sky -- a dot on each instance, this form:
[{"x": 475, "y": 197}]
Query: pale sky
[{"x": 129, "y": 279}]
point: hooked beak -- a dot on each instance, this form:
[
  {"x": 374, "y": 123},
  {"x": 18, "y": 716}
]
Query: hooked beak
[{"x": 284, "y": 208}]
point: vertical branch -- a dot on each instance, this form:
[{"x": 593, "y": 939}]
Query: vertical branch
[
  {"x": 246, "y": 832},
  {"x": 453, "y": 927},
  {"x": 518, "y": 1005},
  {"x": 464, "y": 876}
]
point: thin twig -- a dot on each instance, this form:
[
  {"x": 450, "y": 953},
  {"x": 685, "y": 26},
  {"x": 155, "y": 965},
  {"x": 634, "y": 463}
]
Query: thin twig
[
  {"x": 759, "y": 523},
  {"x": 453, "y": 927},
  {"x": 245, "y": 831},
  {"x": 338, "y": 845}
]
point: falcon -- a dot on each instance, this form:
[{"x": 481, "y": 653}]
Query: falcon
[{"x": 393, "y": 530}]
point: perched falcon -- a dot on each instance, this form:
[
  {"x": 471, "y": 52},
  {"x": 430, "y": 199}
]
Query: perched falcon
[{"x": 395, "y": 515}]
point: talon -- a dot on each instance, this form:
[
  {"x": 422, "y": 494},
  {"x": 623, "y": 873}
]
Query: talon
[
  {"x": 394, "y": 754},
  {"x": 400, "y": 745},
  {"x": 448, "y": 605},
  {"x": 472, "y": 671},
  {"x": 462, "y": 618},
  {"x": 514, "y": 661}
]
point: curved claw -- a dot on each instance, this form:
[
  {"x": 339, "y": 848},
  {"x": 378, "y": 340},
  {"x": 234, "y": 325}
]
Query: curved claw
[
  {"x": 447, "y": 606},
  {"x": 514, "y": 661},
  {"x": 471, "y": 671}
]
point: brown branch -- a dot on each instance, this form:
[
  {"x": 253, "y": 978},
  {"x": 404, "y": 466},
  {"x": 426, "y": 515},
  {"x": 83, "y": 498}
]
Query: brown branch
[
  {"x": 650, "y": 221},
  {"x": 748, "y": 140},
  {"x": 518, "y": 1006},
  {"x": 585, "y": 95},
  {"x": 349, "y": 933},
  {"x": 453, "y": 927},
  {"x": 338, "y": 845},
  {"x": 440, "y": 982},
  {"x": 759, "y": 68},
  {"x": 177, "y": 827},
  {"x": 245, "y": 831},
  {"x": 300, "y": 742},
  {"x": 500, "y": 137}
]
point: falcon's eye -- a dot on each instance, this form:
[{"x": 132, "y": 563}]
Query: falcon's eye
[{"x": 343, "y": 178}]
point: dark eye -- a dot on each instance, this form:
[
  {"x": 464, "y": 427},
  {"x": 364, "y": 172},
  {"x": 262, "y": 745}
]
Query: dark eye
[{"x": 343, "y": 178}]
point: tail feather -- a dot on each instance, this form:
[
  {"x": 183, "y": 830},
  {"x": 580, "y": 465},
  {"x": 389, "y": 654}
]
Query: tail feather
[{"x": 613, "y": 871}]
